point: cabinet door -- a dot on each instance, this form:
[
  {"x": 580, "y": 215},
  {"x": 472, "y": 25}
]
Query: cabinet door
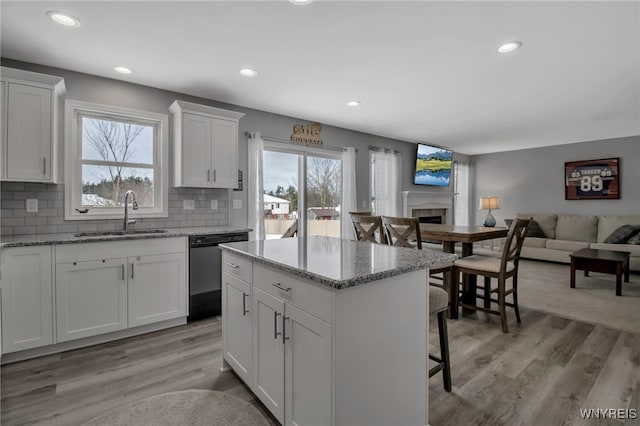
[
  {"x": 91, "y": 298},
  {"x": 27, "y": 298},
  {"x": 236, "y": 325},
  {"x": 29, "y": 133},
  {"x": 157, "y": 288},
  {"x": 196, "y": 150},
  {"x": 307, "y": 369},
  {"x": 268, "y": 352},
  {"x": 224, "y": 153}
]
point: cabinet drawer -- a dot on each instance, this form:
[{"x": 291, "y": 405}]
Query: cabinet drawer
[
  {"x": 301, "y": 293},
  {"x": 237, "y": 266}
]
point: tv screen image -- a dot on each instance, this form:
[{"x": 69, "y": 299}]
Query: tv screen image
[{"x": 433, "y": 166}]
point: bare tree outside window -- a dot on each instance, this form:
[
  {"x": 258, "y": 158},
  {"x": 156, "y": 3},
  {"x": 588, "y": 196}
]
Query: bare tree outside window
[
  {"x": 324, "y": 177},
  {"x": 117, "y": 156}
]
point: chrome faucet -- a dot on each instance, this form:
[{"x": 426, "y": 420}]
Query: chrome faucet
[{"x": 134, "y": 205}]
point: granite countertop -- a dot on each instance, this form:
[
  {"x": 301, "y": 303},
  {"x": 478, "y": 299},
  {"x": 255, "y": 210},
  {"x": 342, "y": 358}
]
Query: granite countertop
[
  {"x": 71, "y": 238},
  {"x": 336, "y": 262}
]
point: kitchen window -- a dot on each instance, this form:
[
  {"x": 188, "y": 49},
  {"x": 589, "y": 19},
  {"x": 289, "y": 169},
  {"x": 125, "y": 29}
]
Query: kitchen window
[{"x": 110, "y": 150}]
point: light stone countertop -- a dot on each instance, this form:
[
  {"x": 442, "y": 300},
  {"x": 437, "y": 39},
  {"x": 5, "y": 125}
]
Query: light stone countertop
[
  {"x": 71, "y": 238},
  {"x": 338, "y": 263}
]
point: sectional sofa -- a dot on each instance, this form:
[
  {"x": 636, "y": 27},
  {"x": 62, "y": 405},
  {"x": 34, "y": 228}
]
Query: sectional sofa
[{"x": 565, "y": 234}]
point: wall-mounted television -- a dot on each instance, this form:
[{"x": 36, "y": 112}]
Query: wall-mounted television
[{"x": 433, "y": 166}]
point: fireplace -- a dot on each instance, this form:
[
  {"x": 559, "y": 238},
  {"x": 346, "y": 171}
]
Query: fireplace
[{"x": 430, "y": 215}]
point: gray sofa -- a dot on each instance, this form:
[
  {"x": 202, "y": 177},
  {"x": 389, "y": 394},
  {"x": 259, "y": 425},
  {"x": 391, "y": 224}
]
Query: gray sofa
[{"x": 566, "y": 234}]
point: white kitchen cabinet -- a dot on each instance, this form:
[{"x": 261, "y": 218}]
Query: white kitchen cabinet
[
  {"x": 236, "y": 329},
  {"x": 91, "y": 298},
  {"x": 30, "y": 115},
  {"x": 27, "y": 298},
  {"x": 205, "y": 141},
  {"x": 268, "y": 352},
  {"x": 156, "y": 288},
  {"x": 3, "y": 125}
]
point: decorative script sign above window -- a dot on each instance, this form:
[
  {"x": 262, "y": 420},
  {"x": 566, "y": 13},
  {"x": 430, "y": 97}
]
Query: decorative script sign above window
[{"x": 307, "y": 134}]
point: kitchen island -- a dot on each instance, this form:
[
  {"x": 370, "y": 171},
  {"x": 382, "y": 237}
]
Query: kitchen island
[{"x": 328, "y": 331}]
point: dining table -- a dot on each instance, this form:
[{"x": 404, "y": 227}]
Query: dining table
[{"x": 449, "y": 235}]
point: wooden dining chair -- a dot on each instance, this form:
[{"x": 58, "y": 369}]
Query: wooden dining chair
[
  {"x": 366, "y": 227},
  {"x": 502, "y": 269},
  {"x": 402, "y": 231}
]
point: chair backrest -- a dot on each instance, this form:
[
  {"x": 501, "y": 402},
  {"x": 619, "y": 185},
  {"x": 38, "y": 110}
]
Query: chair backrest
[
  {"x": 513, "y": 243},
  {"x": 399, "y": 231},
  {"x": 365, "y": 227}
]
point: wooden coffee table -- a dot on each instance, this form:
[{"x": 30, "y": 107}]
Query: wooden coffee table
[{"x": 605, "y": 261}]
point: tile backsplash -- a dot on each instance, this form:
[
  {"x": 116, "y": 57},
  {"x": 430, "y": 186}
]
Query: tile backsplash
[{"x": 14, "y": 219}]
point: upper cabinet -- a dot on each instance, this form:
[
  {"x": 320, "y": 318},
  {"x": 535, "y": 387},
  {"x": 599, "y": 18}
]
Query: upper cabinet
[
  {"x": 29, "y": 125},
  {"x": 205, "y": 145}
]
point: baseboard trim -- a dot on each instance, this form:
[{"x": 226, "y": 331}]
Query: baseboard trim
[{"x": 89, "y": 341}]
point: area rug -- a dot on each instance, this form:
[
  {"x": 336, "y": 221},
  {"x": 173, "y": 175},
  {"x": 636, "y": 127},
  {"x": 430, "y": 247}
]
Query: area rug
[
  {"x": 544, "y": 286},
  {"x": 184, "y": 408}
]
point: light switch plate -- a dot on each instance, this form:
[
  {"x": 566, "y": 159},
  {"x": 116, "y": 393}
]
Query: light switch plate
[
  {"x": 214, "y": 204},
  {"x": 32, "y": 205},
  {"x": 188, "y": 204},
  {"x": 237, "y": 204}
]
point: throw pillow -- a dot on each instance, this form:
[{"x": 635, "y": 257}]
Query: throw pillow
[
  {"x": 635, "y": 239},
  {"x": 508, "y": 222},
  {"x": 533, "y": 231},
  {"x": 622, "y": 234}
]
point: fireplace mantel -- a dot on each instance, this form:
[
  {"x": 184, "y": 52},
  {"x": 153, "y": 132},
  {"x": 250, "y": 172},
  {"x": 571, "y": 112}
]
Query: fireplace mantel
[{"x": 427, "y": 200}]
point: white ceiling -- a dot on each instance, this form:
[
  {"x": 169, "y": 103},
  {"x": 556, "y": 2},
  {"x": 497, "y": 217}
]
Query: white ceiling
[{"x": 424, "y": 71}]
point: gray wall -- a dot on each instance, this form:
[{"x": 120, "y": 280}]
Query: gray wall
[
  {"x": 532, "y": 180},
  {"x": 90, "y": 88}
]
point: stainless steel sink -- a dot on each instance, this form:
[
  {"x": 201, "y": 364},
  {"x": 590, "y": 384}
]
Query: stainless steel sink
[{"x": 127, "y": 232}]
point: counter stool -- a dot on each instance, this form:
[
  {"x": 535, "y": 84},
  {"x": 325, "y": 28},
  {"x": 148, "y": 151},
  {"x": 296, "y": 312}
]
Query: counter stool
[{"x": 438, "y": 304}]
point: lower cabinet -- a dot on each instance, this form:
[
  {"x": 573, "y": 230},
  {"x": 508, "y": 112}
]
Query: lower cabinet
[
  {"x": 236, "y": 329},
  {"x": 27, "y": 298},
  {"x": 156, "y": 288},
  {"x": 91, "y": 298}
]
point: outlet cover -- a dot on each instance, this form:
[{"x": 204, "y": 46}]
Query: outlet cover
[
  {"x": 237, "y": 204},
  {"x": 214, "y": 204},
  {"x": 32, "y": 205},
  {"x": 188, "y": 204}
]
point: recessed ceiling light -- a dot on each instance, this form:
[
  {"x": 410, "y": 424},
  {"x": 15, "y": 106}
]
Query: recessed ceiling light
[
  {"x": 63, "y": 19},
  {"x": 509, "y": 47},
  {"x": 353, "y": 103},
  {"x": 248, "y": 72},
  {"x": 301, "y": 2},
  {"x": 123, "y": 70}
]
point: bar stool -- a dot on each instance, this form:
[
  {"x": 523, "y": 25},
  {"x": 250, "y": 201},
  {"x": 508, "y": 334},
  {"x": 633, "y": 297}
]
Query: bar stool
[{"x": 438, "y": 304}]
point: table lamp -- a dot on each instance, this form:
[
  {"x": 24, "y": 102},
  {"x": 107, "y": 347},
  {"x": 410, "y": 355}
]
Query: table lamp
[{"x": 488, "y": 203}]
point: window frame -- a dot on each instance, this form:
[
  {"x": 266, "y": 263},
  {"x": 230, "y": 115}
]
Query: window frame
[{"x": 74, "y": 111}]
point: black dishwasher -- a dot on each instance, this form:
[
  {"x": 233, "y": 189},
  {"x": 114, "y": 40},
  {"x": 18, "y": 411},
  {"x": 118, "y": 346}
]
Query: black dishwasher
[{"x": 205, "y": 273}]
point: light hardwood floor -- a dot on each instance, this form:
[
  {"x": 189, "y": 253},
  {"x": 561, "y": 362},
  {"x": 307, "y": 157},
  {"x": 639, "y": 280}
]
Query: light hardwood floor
[{"x": 541, "y": 373}]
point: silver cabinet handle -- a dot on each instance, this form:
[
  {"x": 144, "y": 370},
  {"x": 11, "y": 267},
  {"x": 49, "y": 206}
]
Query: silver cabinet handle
[
  {"x": 44, "y": 165},
  {"x": 281, "y": 287},
  {"x": 122, "y": 271},
  {"x": 245, "y": 311},
  {"x": 284, "y": 322},
  {"x": 214, "y": 175},
  {"x": 276, "y": 333},
  {"x": 231, "y": 265},
  {"x": 208, "y": 175},
  {"x": 131, "y": 270}
]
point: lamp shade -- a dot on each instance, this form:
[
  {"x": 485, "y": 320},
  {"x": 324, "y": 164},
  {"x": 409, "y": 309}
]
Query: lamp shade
[{"x": 489, "y": 203}]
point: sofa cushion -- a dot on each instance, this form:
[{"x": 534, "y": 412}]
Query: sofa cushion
[
  {"x": 546, "y": 222},
  {"x": 567, "y": 245},
  {"x": 577, "y": 228},
  {"x": 622, "y": 234},
  {"x": 631, "y": 248},
  {"x": 534, "y": 242},
  {"x": 608, "y": 224},
  {"x": 635, "y": 240}
]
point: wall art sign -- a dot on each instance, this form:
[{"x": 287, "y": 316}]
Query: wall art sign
[
  {"x": 308, "y": 134},
  {"x": 592, "y": 179}
]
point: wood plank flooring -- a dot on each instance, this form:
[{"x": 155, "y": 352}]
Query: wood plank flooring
[{"x": 542, "y": 373}]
